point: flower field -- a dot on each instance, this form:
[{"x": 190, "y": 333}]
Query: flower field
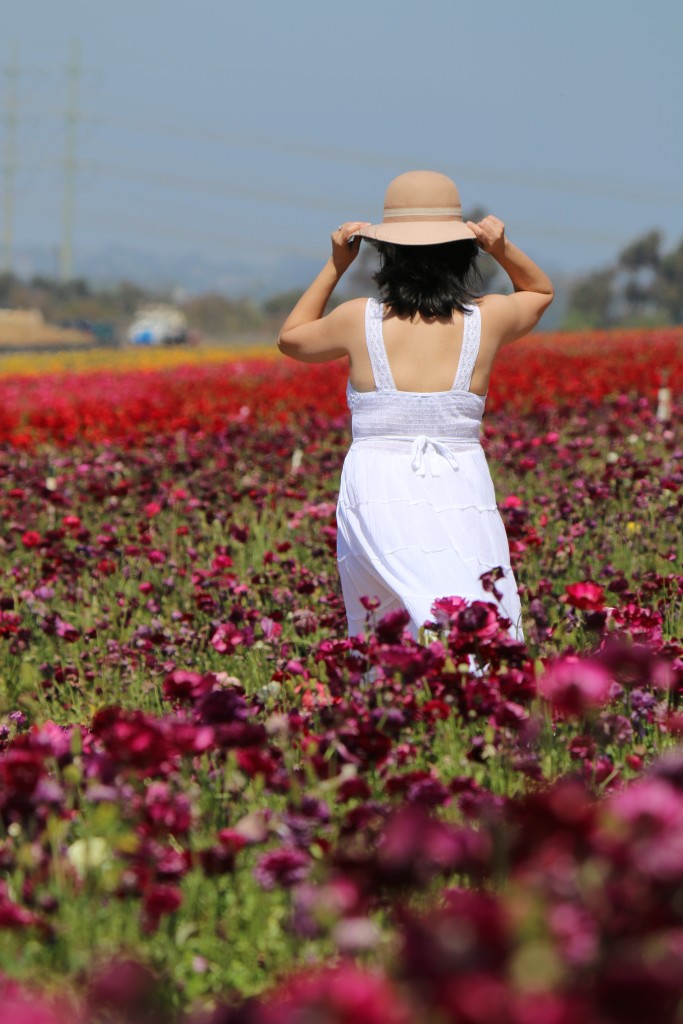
[{"x": 216, "y": 808}]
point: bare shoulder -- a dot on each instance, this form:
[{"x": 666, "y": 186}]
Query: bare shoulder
[
  {"x": 495, "y": 306},
  {"x": 508, "y": 317},
  {"x": 350, "y": 311},
  {"x": 348, "y": 321}
]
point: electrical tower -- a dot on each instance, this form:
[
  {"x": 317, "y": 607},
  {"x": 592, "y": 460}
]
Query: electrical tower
[
  {"x": 9, "y": 161},
  {"x": 71, "y": 117}
]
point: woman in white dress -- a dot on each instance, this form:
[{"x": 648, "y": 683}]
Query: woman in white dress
[{"x": 417, "y": 516}]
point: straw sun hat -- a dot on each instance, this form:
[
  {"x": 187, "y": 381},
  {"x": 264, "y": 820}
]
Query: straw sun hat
[{"x": 420, "y": 208}]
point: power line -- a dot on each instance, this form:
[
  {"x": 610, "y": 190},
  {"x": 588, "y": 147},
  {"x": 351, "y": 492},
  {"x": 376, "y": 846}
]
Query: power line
[
  {"x": 303, "y": 147},
  {"x": 177, "y": 231},
  {"x": 247, "y": 192},
  {"x": 231, "y": 190},
  {"x": 621, "y": 191}
]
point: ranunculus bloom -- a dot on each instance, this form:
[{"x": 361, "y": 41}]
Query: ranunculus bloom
[
  {"x": 345, "y": 994},
  {"x": 126, "y": 989},
  {"x": 162, "y": 899},
  {"x": 227, "y": 638},
  {"x": 574, "y": 685},
  {"x": 284, "y": 867},
  {"x": 390, "y": 627},
  {"x": 587, "y": 596},
  {"x": 181, "y": 684}
]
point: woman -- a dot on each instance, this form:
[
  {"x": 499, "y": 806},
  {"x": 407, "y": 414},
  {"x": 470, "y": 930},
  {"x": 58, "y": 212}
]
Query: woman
[{"x": 417, "y": 516}]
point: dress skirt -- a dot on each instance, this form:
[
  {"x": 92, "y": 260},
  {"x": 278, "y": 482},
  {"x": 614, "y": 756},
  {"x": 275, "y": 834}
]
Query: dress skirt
[{"x": 418, "y": 521}]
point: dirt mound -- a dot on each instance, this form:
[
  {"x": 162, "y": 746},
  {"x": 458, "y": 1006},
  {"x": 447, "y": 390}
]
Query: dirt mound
[{"x": 26, "y": 328}]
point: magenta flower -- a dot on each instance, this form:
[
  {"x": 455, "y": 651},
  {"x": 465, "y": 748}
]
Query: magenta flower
[
  {"x": 227, "y": 638},
  {"x": 587, "y": 596},
  {"x": 282, "y": 867},
  {"x": 345, "y": 994},
  {"x": 574, "y": 685},
  {"x": 159, "y": 899}
]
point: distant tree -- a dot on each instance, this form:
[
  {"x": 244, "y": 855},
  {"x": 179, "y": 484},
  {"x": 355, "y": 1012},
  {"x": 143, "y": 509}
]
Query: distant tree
[
  {"x": 8, "y": 286},
  {"x": 637, "y": 269},
  {"x": 668, "y": 288},
  {"x": 281, "y": 305},
  {"x": 591, "y": 301},
  {"x": 219, "y": 317},
  {"x": 644, "y": 286},
  {"x": 643, "y": 253}
]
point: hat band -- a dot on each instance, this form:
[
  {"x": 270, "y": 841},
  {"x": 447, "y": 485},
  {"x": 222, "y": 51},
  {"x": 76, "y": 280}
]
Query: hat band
[{"x": 423, "y": 211}]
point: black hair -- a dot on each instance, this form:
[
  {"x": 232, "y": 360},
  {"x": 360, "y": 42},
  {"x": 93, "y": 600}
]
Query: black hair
[{"x": 431, "y": 280}]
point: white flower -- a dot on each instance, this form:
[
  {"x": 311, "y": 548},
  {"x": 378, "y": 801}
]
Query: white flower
[{"x": 88, "y": 854}]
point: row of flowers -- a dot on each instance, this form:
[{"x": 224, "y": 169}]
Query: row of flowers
[{"x": 206, "y": 392}]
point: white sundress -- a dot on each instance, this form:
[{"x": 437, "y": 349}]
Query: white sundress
[{"x": 417, "y": 517}]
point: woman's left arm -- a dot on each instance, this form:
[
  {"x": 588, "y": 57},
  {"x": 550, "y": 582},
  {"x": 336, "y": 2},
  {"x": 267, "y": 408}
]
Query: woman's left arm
[{"x": 308, "y": 335}]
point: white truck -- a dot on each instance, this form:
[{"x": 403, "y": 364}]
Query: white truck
[{"x": 158, "y": 325}]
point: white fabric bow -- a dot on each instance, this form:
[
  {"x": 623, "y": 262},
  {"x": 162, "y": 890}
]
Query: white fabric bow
[{"x": 419, "y": 454}]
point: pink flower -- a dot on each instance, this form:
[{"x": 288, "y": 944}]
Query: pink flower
[
  {"x": 227, "y": 638},
  {"x": 587, "y": 596},
  {"x": 574, "y": 685},
  {"x": 345, "y": 994},
  {"x": 651, "y": 807},
  {"x": 181, "y": 684}
]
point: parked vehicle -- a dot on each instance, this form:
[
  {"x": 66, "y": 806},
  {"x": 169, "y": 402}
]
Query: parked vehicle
[{"x": 158, "y": 325}]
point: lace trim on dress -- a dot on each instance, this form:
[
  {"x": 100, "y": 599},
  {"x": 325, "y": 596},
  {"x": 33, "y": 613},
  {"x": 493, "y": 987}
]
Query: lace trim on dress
[
  {"x": 471, "y": 335},
  {"x": 381, "y": 371}
]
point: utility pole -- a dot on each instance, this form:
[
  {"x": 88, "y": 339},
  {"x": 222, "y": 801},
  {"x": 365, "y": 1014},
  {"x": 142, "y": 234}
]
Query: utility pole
[
  {"x": 71, "y": 116},
  {"x": 9, "y": 162}
]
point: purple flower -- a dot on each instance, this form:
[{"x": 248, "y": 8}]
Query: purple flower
[{"x": 282, "y": 867}]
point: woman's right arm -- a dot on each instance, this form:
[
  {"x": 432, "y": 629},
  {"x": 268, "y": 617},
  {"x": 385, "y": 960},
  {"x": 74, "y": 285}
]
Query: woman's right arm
[{"x": 512, "y": 316}]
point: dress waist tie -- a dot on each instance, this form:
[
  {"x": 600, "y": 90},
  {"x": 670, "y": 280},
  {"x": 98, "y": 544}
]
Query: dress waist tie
[{"x": 420, "y": 454}]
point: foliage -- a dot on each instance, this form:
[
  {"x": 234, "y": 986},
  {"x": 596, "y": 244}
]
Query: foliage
[{"x": 644, "y": 286}]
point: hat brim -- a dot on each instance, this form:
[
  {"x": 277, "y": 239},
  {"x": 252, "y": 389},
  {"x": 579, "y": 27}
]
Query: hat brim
[{"x": 418, "y": 232}]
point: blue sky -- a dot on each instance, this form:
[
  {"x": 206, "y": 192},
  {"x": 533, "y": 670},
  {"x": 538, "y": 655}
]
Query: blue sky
[{"x": 244, "y": 133}]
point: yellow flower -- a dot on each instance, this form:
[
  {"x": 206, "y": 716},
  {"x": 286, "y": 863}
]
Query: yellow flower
[{"x": 91, "y": 360}]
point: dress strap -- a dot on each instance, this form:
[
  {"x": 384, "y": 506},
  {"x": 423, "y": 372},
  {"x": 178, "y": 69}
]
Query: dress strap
[
  {"x": 471, "y": 336},
  {"x": 374, "y": 339}
]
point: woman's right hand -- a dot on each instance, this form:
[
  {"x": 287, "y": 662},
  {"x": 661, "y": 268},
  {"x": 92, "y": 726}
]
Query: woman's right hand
[{"x": 490, "y": 234}]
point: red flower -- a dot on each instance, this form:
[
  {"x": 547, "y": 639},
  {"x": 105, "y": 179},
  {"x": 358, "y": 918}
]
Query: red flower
[
  {"x": 158, "y": 900},
  {"x": 587, "y": 596},
  {"x": 31, "y": 539}
]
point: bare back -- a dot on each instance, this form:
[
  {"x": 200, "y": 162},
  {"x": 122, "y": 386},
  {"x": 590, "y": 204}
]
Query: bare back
[{"x": 423, "y": 355}]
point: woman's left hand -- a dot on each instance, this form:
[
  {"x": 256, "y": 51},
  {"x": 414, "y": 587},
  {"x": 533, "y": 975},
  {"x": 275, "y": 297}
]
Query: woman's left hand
[{"x": 344, "y": 246}]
